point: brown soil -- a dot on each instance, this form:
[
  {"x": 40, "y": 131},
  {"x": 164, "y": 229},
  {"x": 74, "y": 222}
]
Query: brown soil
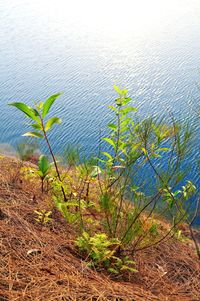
[{"x": 54, "y": 270}]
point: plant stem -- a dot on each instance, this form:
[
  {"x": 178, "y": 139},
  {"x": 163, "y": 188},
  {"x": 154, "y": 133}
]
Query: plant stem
[{"x": 53, "y": 157}]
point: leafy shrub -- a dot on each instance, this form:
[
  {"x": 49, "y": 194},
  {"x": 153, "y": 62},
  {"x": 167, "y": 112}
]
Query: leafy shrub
[
  {"x": 105, "y": 197},
  {"x": 102, "y": 251}
]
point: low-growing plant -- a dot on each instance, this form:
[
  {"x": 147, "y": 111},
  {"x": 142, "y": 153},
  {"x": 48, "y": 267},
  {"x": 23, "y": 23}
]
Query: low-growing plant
[
  {"x": 37, "y": 115},
  {"x": 29, "y": 173},
  {"x": 44, "y": 168},
  {"x": 43, "y": 171},
  {"x": 123, "y": 264},
  {"x": 43, "y": 216},
  {"x": 102, "y": 251},
  {"x": 76, "y": 184}
]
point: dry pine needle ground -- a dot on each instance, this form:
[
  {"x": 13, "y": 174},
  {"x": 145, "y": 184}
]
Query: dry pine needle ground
[{"x": 55, "y": 271}]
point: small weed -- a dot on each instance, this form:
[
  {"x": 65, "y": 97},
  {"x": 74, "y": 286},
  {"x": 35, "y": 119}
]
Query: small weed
[
  {"x": 103, "y": 252},
  {"x": 43, "y": 216}
]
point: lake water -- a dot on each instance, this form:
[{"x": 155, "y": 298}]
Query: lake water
[{"x": 83, "y": 47}]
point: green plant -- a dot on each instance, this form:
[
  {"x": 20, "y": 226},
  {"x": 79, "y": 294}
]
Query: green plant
[
  {"x": 77, "y": 187},
  {"x": 71, "y": 210},
  {"x": 44, "y": 168},
  {"x": 43, "y": 216},
  {"x": 88, "y": 171},
  {"x": 102, "y": 251},
  {"x": 37, "y": 114},
  {"x": 97, "y": 246},
  {"x": 133, "y": 147},
  {"x": 139, "y": 173},
  {"x": 120, "y": 265}
]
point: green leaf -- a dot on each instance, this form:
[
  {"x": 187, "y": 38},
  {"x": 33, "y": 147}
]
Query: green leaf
[
  {"x": 119, "y": 102},
  {"x": 33, "y": 134},
  {"x": 112, "y": 108},
  {"x": 132, "y": 270},
  {"x": 107, "y": 155},
  {"x": 40, "y": 174},
  {"x": 48, "y": 103},
  {"x": 113, "y": 271},
  {"x": 125, "y": 121},
  {"x": 36, "y": 126},
  {"x": 144, "y": 151},
  {"x": 110, "y": 141},
  {"x": 154, "y": 155},
  {"x": 95, "y": 171},
  {"x": 112, "y": 126},
  {"x": 124, "y": 92},
  {"x": 36, "y": 112},
  {"x": 128, "y": 110},
  {"x": 40, "y": 105},
  {"x": 43, "y": 164},
  {"x": 28, "y": 111},
  {"x": 85, "y": 235},
  {"x": 163, "y": 149},
  {"x": 117, "y": 89},
  {"x": 52, "y": 121},
  {"x": 126, "y": 100}
]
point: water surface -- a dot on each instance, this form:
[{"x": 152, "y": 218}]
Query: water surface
[{"x": 83, "y": 47}]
